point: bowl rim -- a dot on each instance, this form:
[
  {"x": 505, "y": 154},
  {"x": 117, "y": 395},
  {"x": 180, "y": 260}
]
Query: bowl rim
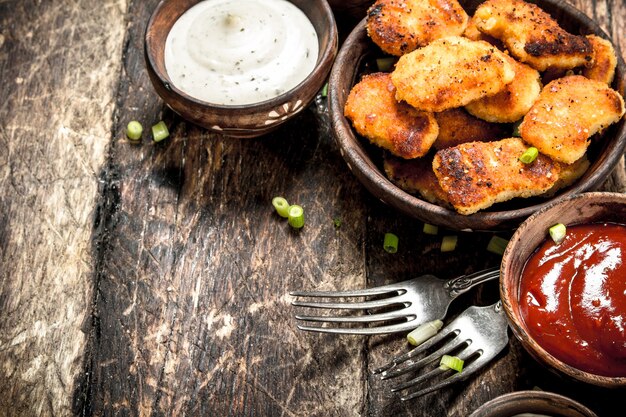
[
  {"x": 378, "y": 184},
  {"x": 325, "y": 59},
  {"x": 502, "y": 403},
  {"x": 533, "y": 347}
]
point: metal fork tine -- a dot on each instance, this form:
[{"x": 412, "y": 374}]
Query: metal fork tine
[
  {"x": 369, "y": 318},
  {"x": 418, "y": 379},
  {"x": 392, "y": 328},
  {"x": 445, "y": 332},
  {"x": 363, "y": 305},
  {"x": 458, "y": 376},
  {"x": 448, "y": 347},
  {"x": 385, "y": 289}
]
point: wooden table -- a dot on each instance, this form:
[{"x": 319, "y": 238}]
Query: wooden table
[{"x": 153, "y": 279}]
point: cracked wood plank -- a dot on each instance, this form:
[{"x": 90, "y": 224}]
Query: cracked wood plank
[
  {"x": 60, "y": 65},
  {"x": 192, "y": 315}
]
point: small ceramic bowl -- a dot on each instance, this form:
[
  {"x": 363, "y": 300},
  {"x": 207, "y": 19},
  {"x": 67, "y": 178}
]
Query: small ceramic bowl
[
  {"x": 241, "y": 120},
  {"x": 532, "y": 403},
  {"x": 364, "y": 161},
  {"x": 586, "y": 208}
]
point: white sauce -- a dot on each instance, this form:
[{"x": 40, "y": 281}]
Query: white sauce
[{"x": 233, "y": 52}]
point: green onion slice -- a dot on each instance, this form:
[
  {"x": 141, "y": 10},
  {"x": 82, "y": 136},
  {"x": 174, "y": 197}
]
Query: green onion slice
[
  {"x": 448, "y": 243},
  {"x": 281, "y": 205},
  {"x": 424, "y": 332},
  {"x": 134, "y": 130},
  {"x": 529, "y": 155},
  {"x": 451, "y": 362},
  {"x": 385, "y": 64},
  {"x": 557, "y": 232},
  {"x": 337, "y": 222},
  {"x": 325, "y": 90},
  {"x": 295, "y": 216},
  {"x": 430, "y": 229},
  {"x": 390, "y": 244},
  {"x": 497, "y": 245},
  {"x": 159, "y": 131}
]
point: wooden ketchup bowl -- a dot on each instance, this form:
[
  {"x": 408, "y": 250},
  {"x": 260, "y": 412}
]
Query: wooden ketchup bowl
[
  {"x": 244, "y": 121},
  {"x": 358, "y": 51},
  {"x": 586, "y": 208}
]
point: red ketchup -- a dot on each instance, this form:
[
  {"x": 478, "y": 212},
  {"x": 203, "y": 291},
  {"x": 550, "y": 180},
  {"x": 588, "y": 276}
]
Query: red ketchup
[{"x": 573, "y": 298}]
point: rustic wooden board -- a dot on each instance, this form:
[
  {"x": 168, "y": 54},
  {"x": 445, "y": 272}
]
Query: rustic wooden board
[
  {"x": 152, "y": 279},
  {"x": 59, "y": 68}
]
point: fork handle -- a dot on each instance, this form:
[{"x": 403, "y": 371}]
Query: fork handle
[{"x": 462, "y": 284}]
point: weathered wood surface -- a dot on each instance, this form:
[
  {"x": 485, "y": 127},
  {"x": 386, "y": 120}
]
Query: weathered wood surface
[{"x": 152, "y": 279}]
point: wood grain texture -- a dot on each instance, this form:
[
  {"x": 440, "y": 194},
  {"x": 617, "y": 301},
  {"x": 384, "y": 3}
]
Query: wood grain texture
[
  {"x": 152, "y": 279},
  {"x": 60, "y": 65}
]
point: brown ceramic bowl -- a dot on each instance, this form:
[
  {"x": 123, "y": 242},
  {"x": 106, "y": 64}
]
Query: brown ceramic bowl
[
  {"x": 592, "y": 207},
  {"x": 532, "y": 402},
  {"x": 242, "y": 120},
  {"x": 364, "y": 160}
]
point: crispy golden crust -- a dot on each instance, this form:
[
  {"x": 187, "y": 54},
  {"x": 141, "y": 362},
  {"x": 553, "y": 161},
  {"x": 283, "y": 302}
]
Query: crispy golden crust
[
  {"x": 514, "y": 101},
  {"x": 476, "y": 175},
  {"x": 472, "y": 33},
  {"x": 397, "y": 127},
  {"x": 604, "y": 60},
  {"x": 456, "y": 126},
  {"x": 415, "y": 176},
  {"x": 531, "y": 35},
  {"x": 568, "y": 174},
  {"x": 567, "y": 113},
  {"x": 450, "y": 72},
  {"x": 401, "y": 26}
]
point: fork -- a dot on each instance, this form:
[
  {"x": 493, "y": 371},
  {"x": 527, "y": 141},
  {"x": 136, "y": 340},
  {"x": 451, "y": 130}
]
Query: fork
[
  {"x": 477, "y": 335},
  {"x": 400, "y": 307}
]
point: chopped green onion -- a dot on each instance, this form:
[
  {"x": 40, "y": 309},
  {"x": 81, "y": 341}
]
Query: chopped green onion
[
  {"x": 390, "y": 244},
  {"x": 295, "y": 216},
  {"x": 557, "y": 232},
  {"x": 424, "y": 332},
  {"x": 529, "y": 155},
  {"x": 451, "y": 362},
  {"x": 516, "y": 126},
  {"x": 134, "y": 130},
  {"x": 448, "y": 243},
  {"x": 325, "y": 90},
  {"x": 159, "y": 131},
  {"x": 281, "y": 205},
  {"x": 385, "y": 64},
  {"x": 430, "y": 229},
  {"x": 337, "y": 222},
  {"x": 497, "y": 245}
]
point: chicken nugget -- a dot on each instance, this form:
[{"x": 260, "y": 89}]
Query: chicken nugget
[
  {"x": 401, "y": 26},
  {"x": 457, "y": 126},
  {"x": 476, "y": 175},
  {"x": 532, "y": 36},
  {"x": 397, "y": 127},
  {"x": 604, "y": 60},
  {"x": 568, "y": 174},
  {"x": 567, "y": 113},
  {"x": 450, "y": 72},
  {"x": 415, "y": 176},
  {"x": 514, "y": 101}
]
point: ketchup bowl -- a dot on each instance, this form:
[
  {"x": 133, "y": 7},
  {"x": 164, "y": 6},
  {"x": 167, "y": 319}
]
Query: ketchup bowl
[
  {"x": 566, "y": 301},
  {"x": 252, "y": 42}
]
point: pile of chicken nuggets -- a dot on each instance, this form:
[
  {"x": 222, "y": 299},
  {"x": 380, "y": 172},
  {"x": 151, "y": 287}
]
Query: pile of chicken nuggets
[{"x": 446, "y": 111}]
